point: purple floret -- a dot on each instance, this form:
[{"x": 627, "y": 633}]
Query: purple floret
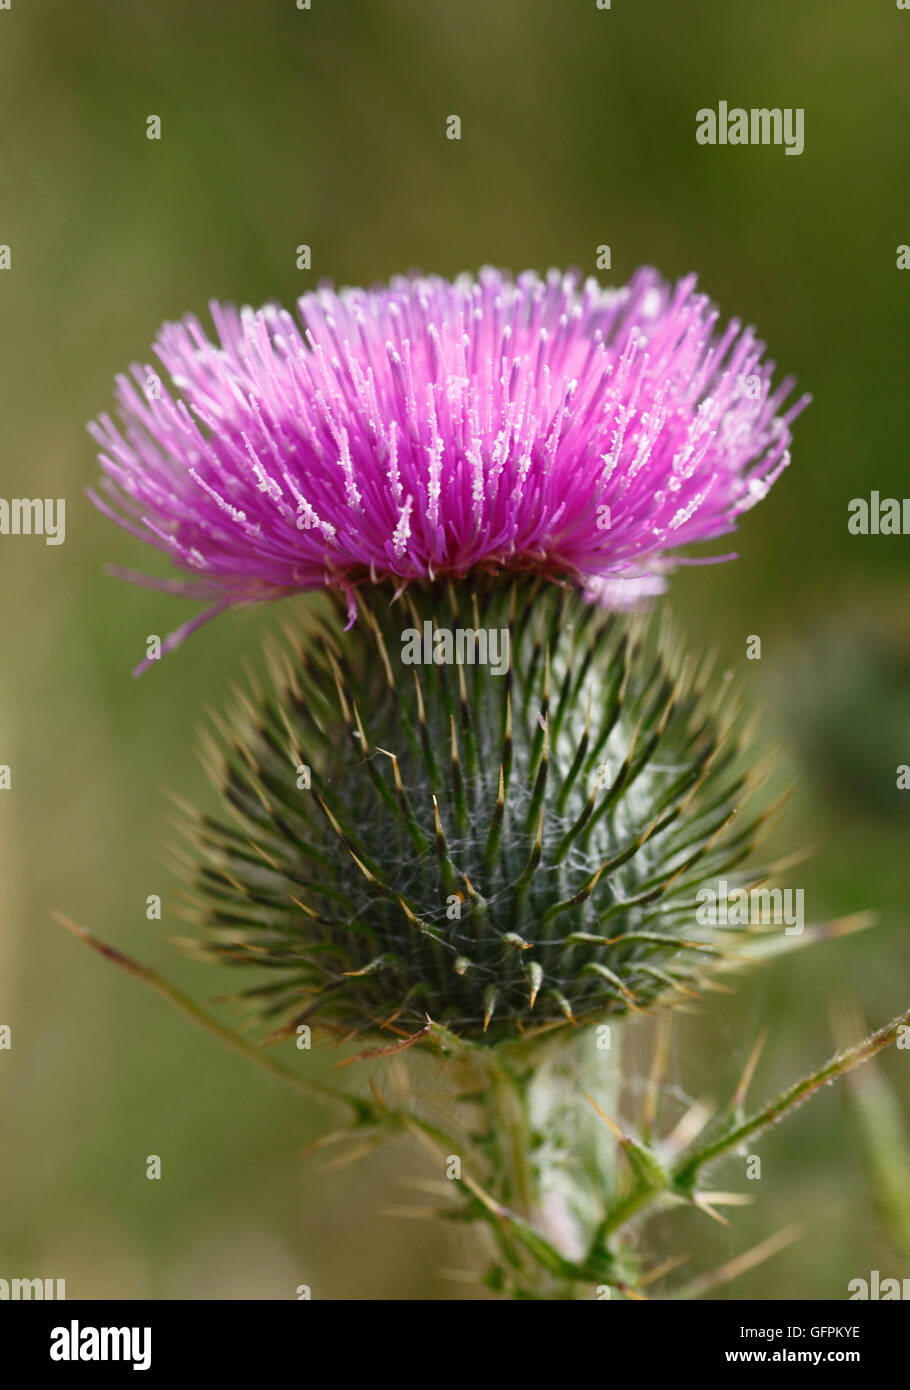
[{"x": 431, "y": 428}]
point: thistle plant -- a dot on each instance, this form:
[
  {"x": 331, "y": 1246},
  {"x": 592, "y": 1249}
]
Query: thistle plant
[{"x": 468, "y": 811}]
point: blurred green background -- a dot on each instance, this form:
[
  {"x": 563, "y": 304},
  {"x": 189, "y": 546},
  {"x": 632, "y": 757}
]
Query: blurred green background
[{"x": 327, "y": 127}]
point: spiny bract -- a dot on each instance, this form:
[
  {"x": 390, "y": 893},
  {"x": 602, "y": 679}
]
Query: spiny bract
[{"x": 495, "y": 852}]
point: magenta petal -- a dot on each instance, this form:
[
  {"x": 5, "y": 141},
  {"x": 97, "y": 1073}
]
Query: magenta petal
[{"x": 428, "y": 428}]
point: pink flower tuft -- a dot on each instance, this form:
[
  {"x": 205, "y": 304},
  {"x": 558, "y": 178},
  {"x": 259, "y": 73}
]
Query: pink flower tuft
[{"x": 430, "y": 428}]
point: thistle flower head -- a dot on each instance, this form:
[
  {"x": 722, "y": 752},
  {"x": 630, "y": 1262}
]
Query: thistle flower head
[
  {"x": 430, "y": 429},
  {"x": 499, "y": 852}
]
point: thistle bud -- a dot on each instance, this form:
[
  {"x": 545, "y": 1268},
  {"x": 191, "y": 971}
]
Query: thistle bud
[{"x": 491, "y": 807}]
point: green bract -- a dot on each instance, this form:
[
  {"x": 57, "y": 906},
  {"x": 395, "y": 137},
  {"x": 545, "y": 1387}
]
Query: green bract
[{"x": 500, "y": 853}]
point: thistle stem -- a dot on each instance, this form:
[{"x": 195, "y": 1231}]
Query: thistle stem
[
  {"x": 552, "y": 1163},
  {"x": 324, "y": 1094},
  {"x": 838, "y": 1065},
  {"x": 507, "y": 1102}
]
